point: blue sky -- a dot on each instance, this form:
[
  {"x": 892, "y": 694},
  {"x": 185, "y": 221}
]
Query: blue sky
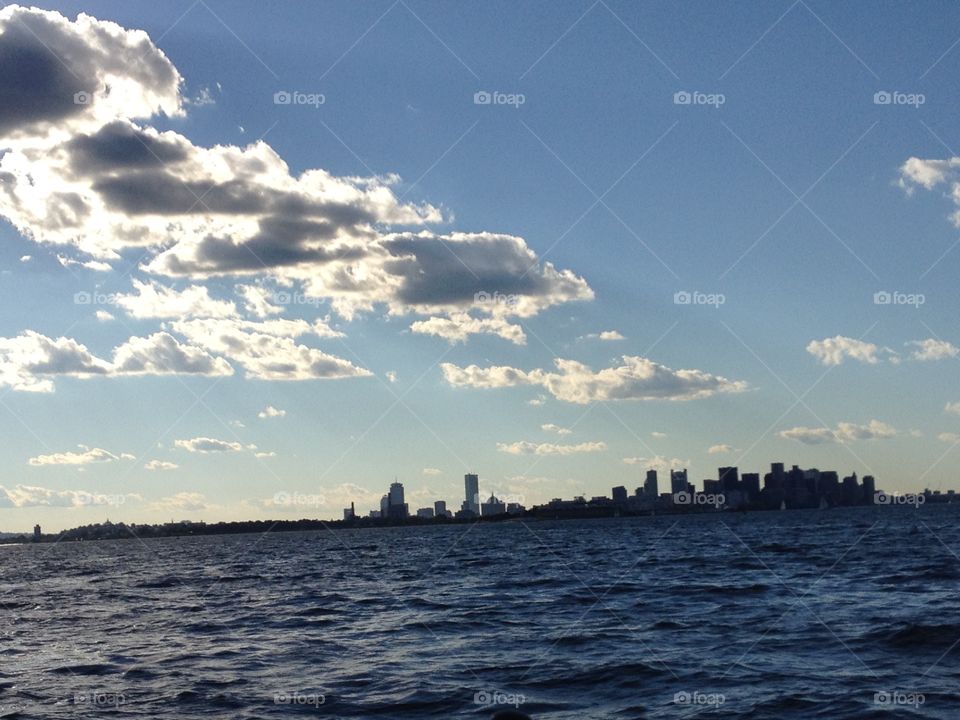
[{"x": 781, "y": 199}]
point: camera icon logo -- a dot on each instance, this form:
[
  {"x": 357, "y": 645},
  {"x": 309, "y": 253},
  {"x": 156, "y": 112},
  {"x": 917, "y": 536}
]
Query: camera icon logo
[
  {"x": 82, "y": 298},
  {"x": 882, "y": 97},
  {"x": 682, "y": 97},
  {"x": 482, "y": 97},
  {"x": 282, "y": 97},
  {"x": 82, "y": 98},
  {"x": 682, "y": 297},
  {"x": 882, "y": 297}
]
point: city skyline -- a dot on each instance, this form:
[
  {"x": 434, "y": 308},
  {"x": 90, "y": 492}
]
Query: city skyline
[{"x": 235, "y": 287}]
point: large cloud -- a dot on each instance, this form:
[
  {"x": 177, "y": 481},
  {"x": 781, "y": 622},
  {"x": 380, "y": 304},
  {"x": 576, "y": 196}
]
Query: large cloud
[
  {"x": 637, "y": 379},
  {"x": 104, "y": 182},
  {"x": 838, "y": 349},
  {"x": 87, "y": 456},
  {"x": 31, "y": 361},
  {"x": 845, "y": 432},
  {"x": 524, "y": 447},
  {"x": 59, "y": 77}
]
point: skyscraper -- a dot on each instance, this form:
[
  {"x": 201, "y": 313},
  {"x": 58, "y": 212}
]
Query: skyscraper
[
  {"x": 396, "y": 507},
  {"x": 650, "y": 488},
  {"x": 471, "y": 485},
  {"x": 440, "y": 508},
  {"x": 620, "y": 495},
  {"x": 678, "y": 481},
  {"x": 729, "y": 478}
]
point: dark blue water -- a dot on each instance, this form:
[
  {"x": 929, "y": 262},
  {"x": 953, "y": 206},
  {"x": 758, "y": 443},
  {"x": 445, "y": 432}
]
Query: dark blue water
[{"x": 833, "y": 614}]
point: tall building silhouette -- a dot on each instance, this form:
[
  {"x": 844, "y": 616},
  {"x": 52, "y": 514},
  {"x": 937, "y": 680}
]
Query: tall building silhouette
[
  {"x": 650, "y": 488},
  {"x": 396, "y": 507},
  {"x": 678, "y": 481},
  {"x": 471, "y": 486}
]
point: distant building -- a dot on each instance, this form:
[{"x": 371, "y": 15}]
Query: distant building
[
  {"x": 348, "y": 513},
  {"x": 440, "y": 508},
  {"x": 870, "y": 489},
  {"x": 396, "y": 507},
  {"x": 750, "y": 484},
  {"x": 729, "y": 478},
  {"x": 376, "y": 514},
  {"x": 620, "y": 495},
  {"x": 493, "y": 506},
  {"x": 471, "y": 488},
  {"x": 36, "y": 533},
  {"x": 678, "y": 481},
  {"x": 650, "y": 488},
  {"x": 425, "y": 513}
]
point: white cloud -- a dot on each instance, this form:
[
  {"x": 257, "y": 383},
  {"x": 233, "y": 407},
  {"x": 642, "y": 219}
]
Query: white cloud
[
  {"x": 658, "y": 435},
  {"x": 523, "y": 447},
  {"x": 271, "y": 412},
  {"x": 949, "y": 437},
  {"x": 550, "y": 427},
  {"x": 87, "y": 456},
  {"x": 30, "y": 361},
  {"x": 262, "y": 455},
  {"x": 932, "y": 349},
  {"x": 267, "y": 350},
  {"x": 153, "y": 300},
  {"x": 208, "y": 445},
  {"x": 160, "y": 465},
  {"x": 391, "y": 376},
  {"x": 845, "y": 432},
  {"x": 457, "y": 327},
  {"x": 94, "y": 180},
  {"x": 22, "y": 496},
  {"x": 952, "y": 408},
  {"x": 720, "y": 449},
  {"x": 637, "y": 379},
  {"x": 606, "y": 336},
  {"x": 182, "y": 502},
  {"x": 833, "y": 351},
  {"x": 258, "y": 301},
  {"x": 658, "y": 462},
  {"x": 103, "y": 316},
  {"x": 432, "y": 471}
]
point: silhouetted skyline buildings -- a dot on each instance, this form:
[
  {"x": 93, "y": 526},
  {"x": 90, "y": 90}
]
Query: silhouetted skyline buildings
[{"x": 793, "y": 489}]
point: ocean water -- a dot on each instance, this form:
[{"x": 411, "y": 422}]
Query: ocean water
[{"x": 808, "y": 614}]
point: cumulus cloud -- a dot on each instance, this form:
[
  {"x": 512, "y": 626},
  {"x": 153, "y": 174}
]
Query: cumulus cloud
[
  {"x": 833, "y": 351},
  {"x": 845, "y": 432},
  {"x": 271, "y": 412},
  {"x": 90, "y": 177},
  {"x": 551, "y": 427},
  {"x": 182, "y": 502},
  {"x": 658, "y": 435},
  {"x": 931, "y": 173},
  {"x": 932, "y": 349},
  {"x": 720, "y": 449},
  {"x": 458, "y": 327},
  {"x": 949, "y": 437},
  {"x": 208, "y": 445},
  {"x": 267, "y": 350},
  {"x": 160, "y": 465},
  {"x": 606, "y": 336},
  {"x": 30, "y": 361},
  {"x": 658, "y": 462},
  {"x": 952, "y": 407},
  {"x": 86, "y": 456},
  {"x": 524, "y": 447},
  {"x": 432, "y": 471},
  {"x": 21, "y": 496},
  {"x": 637, "y": 378},
  {"x": 152, "y": 300}
]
